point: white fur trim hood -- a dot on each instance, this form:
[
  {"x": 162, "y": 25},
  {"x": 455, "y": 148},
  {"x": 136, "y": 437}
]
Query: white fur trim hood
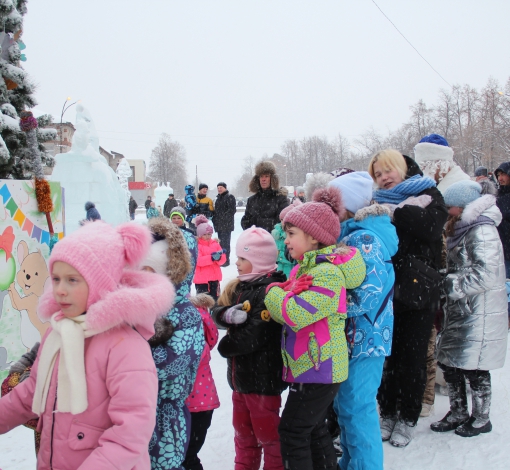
[
  {"x": 426, "y": 151},
  {"x": 485, "y": 205}
]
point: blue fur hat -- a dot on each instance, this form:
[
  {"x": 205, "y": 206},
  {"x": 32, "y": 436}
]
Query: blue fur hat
[
  {"x": 460, "y": 194},
  {"x": 435, "y": 139}
]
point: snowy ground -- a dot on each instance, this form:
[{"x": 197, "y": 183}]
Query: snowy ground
[{"x": 427, "y": 451}]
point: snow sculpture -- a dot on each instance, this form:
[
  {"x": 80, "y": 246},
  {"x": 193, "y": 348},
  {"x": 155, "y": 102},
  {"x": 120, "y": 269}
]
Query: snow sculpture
[
  {"x": 161, "y": 194},
  {"x": 86, "y": 176},
  {"x": 124, "y": 172}
]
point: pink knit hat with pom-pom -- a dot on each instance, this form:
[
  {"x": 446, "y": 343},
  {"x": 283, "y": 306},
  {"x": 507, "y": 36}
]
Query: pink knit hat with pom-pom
[
  {"x": 321, "y": 217},
  {"x": 202, "y": 225},
  {"x": 295, "y": 203},
  {"x": 100, "y": 252}
]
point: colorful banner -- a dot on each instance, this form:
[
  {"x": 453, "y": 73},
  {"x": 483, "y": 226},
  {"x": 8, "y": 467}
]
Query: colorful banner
[{"x": 24, "y": 250}]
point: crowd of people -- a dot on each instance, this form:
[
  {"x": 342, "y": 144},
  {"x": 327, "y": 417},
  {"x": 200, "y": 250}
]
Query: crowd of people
[{"x": 354, "y": 296}]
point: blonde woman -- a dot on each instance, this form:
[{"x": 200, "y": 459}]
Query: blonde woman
[{"x": 418, "y": 214}]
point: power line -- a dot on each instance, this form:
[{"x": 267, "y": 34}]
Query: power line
[{"x": 409, "y": 42}]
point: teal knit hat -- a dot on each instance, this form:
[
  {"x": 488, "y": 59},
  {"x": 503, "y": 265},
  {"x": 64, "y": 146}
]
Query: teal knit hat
[{"x": 462, "y": 193}]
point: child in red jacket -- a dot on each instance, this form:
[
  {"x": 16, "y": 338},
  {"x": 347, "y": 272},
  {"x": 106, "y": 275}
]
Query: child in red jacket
[
  {"x": 210, "y": 258},
  {"x": 203, "y": 399}
]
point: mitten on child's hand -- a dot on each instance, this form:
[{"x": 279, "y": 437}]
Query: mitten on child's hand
[
  {"x": 235, "y": 315},
  {"x": 300, "y": 284},
  {"x": 216, "y": 255},
  {"x": 421, "y": 201},
  {"x": 281, "y": 285}
]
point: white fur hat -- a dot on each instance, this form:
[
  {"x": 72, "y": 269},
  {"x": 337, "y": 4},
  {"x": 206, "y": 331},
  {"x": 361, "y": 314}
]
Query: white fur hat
[{"x": 433, "y": 147}]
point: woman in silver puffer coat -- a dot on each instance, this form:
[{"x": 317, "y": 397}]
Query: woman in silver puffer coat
[{"x": 474, "y": 337}]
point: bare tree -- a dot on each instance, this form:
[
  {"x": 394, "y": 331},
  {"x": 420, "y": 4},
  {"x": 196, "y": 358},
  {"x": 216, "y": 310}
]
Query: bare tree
[{"x": 168, "y": 164}]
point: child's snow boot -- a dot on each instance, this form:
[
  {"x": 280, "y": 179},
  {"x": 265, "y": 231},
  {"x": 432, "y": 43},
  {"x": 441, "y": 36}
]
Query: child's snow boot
[
  {"x": 458, "y": 414},
  {"x": 402, "y": 434},
  {"x": 387, "y": 425},
  {"x": 481, "y": 400}
]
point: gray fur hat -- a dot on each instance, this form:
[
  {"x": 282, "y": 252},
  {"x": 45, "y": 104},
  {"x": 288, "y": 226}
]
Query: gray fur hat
[{"x": 264, "y": 168}]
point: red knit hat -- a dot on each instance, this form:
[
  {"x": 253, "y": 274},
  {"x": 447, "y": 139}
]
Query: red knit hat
[{"x": 321, "y": 217}]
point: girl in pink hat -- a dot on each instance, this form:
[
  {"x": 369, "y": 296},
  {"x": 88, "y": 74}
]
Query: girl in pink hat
[
  {"x": 252, "y": 349},
  {"x": 93, "y": 385},
  {"x": 210, "y": 257}
]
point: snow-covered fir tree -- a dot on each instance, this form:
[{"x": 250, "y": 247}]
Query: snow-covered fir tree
[{"x": 16, "y": 95}]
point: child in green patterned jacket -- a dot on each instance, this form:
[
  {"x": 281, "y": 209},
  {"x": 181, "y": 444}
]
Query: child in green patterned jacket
[{"x": 311, "y": 305}]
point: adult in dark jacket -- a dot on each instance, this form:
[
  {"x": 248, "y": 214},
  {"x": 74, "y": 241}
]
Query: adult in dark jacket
[
  {"x": 170, "y": 203},
  {"x": 223, "y": 218},
  {"x": 503, "y": 202},
  {"x": 264, "y": 207},
  {"x": 419, "y": 215},
  {"x": 133, "y": 205}
]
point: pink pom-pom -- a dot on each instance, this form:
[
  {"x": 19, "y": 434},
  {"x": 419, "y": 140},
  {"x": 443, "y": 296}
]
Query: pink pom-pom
[
  {"x": 201, "y": 219},
  {"x": 137, "y": 241},
  {"x": 332, "y": 197}
]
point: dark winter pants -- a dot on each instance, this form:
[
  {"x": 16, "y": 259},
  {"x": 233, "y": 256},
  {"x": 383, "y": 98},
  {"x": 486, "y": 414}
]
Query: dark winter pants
[
  {"x": 305, "y": 440},
  {"x": 405, "y": 372},
  {"x": 225, "y": 243},
  {"x": 200, "y": 423},
  {"x": 212, "y": 288},
  {"x": 255, "y": 419}
]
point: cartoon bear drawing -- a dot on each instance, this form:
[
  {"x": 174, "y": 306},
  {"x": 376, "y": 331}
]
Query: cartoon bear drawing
[{"x": 31, "y": 277}]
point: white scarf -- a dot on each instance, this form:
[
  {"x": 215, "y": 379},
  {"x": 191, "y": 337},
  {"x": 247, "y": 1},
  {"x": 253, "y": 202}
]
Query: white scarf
[{"x": 67, "y": 338}]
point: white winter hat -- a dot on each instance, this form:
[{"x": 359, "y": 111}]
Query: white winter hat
[
  {"x": 356, "y": 188},
  {"x": 156, "y": 258}
]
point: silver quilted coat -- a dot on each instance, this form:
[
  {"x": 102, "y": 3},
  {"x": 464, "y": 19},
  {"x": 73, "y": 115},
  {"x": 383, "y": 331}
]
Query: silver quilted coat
[{"x": 474, "y": 336}]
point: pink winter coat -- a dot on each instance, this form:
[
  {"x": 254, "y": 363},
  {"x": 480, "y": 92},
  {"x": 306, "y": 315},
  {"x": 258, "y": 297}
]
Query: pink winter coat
[
  {"x": 204, "y": 396},
  {"x": 207, "y": 269},
  {"x": 122, "y": 385}
]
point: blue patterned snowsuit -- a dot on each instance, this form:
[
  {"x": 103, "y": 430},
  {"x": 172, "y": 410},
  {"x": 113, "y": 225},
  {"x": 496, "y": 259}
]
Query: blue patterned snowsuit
[
  {"x": 177, "y": 363},
  {"x": 369, "y": 331}
]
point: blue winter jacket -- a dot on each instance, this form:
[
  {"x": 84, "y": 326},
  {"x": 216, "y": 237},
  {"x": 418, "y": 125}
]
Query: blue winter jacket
[{"x": 369, "y": 326}]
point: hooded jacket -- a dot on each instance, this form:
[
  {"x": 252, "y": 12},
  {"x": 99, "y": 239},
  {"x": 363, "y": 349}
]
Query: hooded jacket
[
  {"x": 178, "y": 359},
  {"x": 503, "y": 202},
  {"x": 370, "y": 306},
  {"x": 314, "y": 347},
  {"x": 121, "y": 380},
  {"x": 252, "y": 349},
  {"x": 419, "y": 230},
  {"x": 475, "y": 331},
  {"x": 264, "y": 207}
]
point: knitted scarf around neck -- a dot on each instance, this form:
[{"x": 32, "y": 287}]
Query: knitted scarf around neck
[
  {"x": 407, "y": 188},
  {"x": 67, "y": 338}
]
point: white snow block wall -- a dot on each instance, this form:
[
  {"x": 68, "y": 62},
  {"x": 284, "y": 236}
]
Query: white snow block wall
[{"x": 85, "y": 176}]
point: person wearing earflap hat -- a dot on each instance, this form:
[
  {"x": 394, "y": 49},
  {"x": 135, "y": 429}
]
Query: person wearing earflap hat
[{"x": 264, "y": 207}]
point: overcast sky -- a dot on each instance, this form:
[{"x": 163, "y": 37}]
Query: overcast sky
[{"x": 228, "y": 79}]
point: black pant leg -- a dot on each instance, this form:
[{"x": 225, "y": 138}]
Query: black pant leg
[
  {"x": 405, "y": 372},
  {"x": 225, "y": 243},
  {"x": 200, "y": 423},
  {"x": 305, "y": 441},
  {"x": 214, "y": 289},
  {"x": 202, "y": 288}
]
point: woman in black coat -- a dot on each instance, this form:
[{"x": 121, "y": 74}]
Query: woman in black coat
[{"x": 419, "y": 215}]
